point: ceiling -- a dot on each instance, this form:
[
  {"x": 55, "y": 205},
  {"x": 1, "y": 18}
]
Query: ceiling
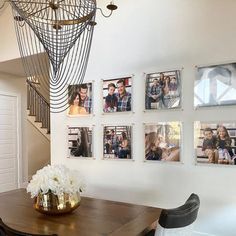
[
  {"x": 12, "y": 67},
  {"x": 3, "y": 6},
  {"x": 15, "y": 66}
]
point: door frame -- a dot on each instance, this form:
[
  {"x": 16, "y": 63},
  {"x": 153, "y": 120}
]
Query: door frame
[{"x": 18, "y": 136}]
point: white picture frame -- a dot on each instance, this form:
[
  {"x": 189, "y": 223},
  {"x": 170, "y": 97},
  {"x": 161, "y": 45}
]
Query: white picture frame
[
  {"x": 113, "y": 148},
  {"x": 215, "y": 85},
  {"x": 76, "y": 106},
  {"x": 215, "y": 142},
  {"x": 80, "y": 140},
  {"x": 163, "y": 90},
  {"x": 116, "y": 109},
  {"x": 163, "y": 142}
]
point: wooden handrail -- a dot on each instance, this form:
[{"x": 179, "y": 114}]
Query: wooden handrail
[{"x": 38, "y": 106}]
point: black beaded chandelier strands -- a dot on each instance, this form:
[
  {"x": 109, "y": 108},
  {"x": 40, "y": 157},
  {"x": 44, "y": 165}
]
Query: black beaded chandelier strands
[{"x": 54, "y": 38}]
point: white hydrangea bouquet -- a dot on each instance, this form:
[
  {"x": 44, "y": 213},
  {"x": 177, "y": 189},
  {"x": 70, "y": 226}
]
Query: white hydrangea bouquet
[{"x": 56, "y": 179}]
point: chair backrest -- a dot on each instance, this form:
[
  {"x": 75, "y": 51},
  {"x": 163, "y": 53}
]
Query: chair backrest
[
  {"x": 8, "y": 231},
  {"x": 179, "y": 221},
  {"x": 181, "y": 216}
]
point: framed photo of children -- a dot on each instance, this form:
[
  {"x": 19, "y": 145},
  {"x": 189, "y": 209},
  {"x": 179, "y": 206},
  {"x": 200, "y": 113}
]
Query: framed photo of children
[
  {"x": 163, "y": 141},
  {"x": 117, "y": 95},
  {"x": 215, "y": 85},
  {"x": 215, "y": 142},
  {"x": 163, "y": 90},
  {"x": 80, "y": 99},
  {"x": 117, "y": 142},
  {"x": 80, "y": 142}
]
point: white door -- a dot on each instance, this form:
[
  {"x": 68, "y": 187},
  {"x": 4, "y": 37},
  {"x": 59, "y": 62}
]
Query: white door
[{"x": 8, "y": 143}]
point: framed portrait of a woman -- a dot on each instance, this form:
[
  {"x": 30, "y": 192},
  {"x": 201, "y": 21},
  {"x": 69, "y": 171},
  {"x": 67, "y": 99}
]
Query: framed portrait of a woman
[
  {"x": 80, "y": 99},
  {"x": 163, "y": 141},
  {"x": 80, "y": 142}
]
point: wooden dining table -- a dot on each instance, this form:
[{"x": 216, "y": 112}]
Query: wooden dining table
[{"x": 93, "y": 217}]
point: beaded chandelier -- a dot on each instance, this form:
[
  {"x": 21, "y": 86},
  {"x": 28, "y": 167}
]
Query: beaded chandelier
[{"x": 54, "y": 38}]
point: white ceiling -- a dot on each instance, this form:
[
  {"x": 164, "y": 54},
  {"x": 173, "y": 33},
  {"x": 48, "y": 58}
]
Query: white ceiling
[
  {"x": 15, "y": 66},
  {"x": 3, "y": 6},
  {"x": 12, "y": 67}
]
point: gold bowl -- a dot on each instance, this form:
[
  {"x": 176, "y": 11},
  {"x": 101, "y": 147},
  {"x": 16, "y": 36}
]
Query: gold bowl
[{"x": 52, "y": 204}]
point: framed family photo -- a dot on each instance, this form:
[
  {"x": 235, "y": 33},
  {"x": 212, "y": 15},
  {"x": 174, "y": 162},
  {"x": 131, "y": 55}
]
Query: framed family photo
[
  {"x": 80, "y": 142},
  {"x": 163, "y": 90},
  {"x": 163, "y": 141},
  {"x": 117, "y": 95},
  {"x": 117, "y": 142},
  {"x": 215, "y": 142},
  {"x": 215, "y": 85},
  {"x": 80, "y": 99}
]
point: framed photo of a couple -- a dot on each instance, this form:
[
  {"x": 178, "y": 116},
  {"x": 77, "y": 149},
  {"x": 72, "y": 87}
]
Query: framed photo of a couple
[
  {"x": 117, "y": 95},
  {"x": 163, "y": 141},
  {"x": 215, "y": 85},
  {"x": 117, "y": 142},
  {"x": 163, "y": 90},
  {"x": 80, "y": 142},
  {"x": 80, "y": 99},
  {"x": 215, "y": 142}
]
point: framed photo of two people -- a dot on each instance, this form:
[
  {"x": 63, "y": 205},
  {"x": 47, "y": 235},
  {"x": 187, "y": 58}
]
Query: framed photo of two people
[
  {"x": 163, "y": 90},
  {"x": 117, "y": 142},
  {"x": 80, "y": 99},
  {"x": 215, "y": 142},
  {"x": 117, "y": 95},
  {"x": 163, "y": 141}
]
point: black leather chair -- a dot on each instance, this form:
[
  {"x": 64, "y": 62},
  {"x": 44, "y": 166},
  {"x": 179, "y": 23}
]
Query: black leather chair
[
  {"x": 7, "y": 231},
  {"x": 178, "y": 219}
]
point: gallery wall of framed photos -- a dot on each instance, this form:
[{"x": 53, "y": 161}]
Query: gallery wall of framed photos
[
  {"x": 186, "y": 37},
  {"x": 214, "y": 86}
]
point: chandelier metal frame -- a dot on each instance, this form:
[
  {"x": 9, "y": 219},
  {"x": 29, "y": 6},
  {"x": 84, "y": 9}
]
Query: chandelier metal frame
[{"x": 54, "y": 39}]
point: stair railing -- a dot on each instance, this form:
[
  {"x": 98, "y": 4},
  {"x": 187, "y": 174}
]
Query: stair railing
[{"x": 38, "y": 106}]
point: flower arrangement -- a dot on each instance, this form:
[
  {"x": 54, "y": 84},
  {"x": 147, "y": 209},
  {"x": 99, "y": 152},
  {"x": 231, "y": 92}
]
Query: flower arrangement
[{"x": 56, "y": 179}]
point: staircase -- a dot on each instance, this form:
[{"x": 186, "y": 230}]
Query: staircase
[{"x": 39, "y": 110}]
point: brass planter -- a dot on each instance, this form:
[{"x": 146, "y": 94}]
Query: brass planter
[{"x": 52, "y": 204}]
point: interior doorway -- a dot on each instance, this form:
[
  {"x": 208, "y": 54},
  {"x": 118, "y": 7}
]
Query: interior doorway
[{"x": 9, "y": 148}]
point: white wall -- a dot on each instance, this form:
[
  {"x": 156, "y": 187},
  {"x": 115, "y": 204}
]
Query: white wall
[
  {"x": 17, "y": 85},
  {"x": 149, "y": 36},
  {"x": 8, "y": 43},
  {"x": 35, "y": 148},
  {"x": 38, "y": 151}
]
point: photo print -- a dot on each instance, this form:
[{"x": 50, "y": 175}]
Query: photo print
[
  {"x": 117, "y": 142},
  {"x": 215, "y": 85},
  {"x": 80, "y": 141},
  {"x": 163, "y": 90},
  {"x": 117, "y": 95},
  {"x": 80, "y": 99},
  {"x": 163, "y": 141},
  {"x": 214, "y": 142}
]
